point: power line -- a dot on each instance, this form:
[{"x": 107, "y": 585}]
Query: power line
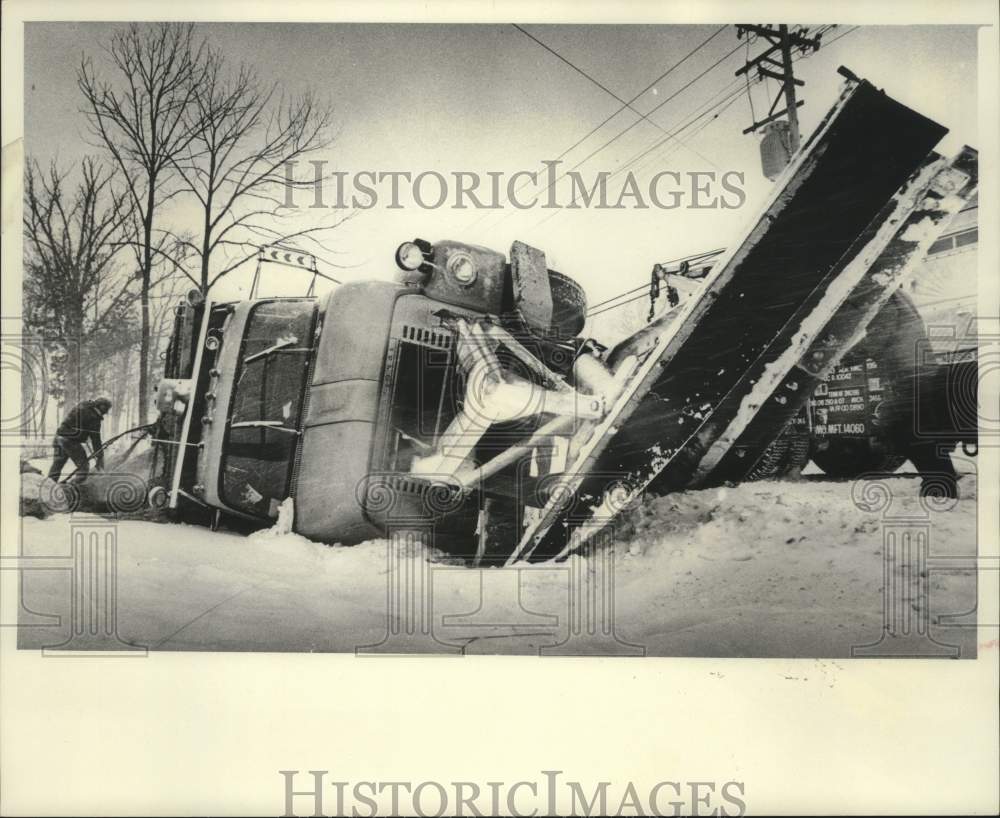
[
  {"x": 615, "y": 298},
  {"x": 660, "y": 78},
  {"x": 708, "y": 104},
  {"x": 621, "y": 133},
  {"x": 720, "y": 107},
  {"x": 694, "y": 257},
  {"x": 725, "y": 105},
  {"x": 622, "y": 304},
  {"x": 843, "y": 34},
  {"x": 583, "y": 73},
  {"x": 668, "y": 99},
  {"x": 697, "y": 257},
  {"x": 625, "y": 105}
]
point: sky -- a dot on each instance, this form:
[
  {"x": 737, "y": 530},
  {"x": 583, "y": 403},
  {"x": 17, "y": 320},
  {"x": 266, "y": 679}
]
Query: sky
[{"x": 488, "y": 98}]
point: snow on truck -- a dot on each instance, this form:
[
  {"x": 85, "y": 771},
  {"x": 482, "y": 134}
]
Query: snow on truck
[{"x": 463, "y": 398}]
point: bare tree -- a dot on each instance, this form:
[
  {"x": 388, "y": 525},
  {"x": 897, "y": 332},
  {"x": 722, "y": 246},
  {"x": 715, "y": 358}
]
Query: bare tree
[
  {"x": 76, "y": 296},
  {"x": 140, "y": 120},
  {"x": 244, "y": 133}
]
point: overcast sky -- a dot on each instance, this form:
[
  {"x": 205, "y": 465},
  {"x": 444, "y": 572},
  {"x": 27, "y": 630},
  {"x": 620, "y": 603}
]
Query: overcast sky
[{"x": 486, "y": 98}]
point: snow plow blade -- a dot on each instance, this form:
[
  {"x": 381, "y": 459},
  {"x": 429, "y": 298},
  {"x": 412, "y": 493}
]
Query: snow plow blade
[{"x": 687, "y": 378}]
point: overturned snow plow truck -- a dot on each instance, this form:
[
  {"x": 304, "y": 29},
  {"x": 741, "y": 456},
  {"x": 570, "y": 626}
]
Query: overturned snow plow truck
[{"x": 463, "y": 399}]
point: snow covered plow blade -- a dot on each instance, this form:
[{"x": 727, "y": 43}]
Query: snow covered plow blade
[
  {"x": 870, "y": 272},
  {"x": 837, "y": 226}
]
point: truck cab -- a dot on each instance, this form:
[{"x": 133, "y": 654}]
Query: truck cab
[{"x": 336, "y": 402}]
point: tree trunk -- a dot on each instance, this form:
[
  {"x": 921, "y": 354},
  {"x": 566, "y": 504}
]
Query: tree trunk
[
  {"x": 147, "y": 274},
  {"x": 206, "y": 236},
  {"x": 73, "y": 381},
  {"x": 144, "y": 351},
  {"x": 204, "y": 268}
]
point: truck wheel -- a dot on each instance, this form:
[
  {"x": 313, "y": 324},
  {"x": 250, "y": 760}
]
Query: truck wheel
[{"x": 569, "y": 305}]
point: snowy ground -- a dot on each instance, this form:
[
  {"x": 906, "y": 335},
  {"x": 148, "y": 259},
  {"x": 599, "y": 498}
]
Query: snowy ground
[{"x": 762, "y": 569}]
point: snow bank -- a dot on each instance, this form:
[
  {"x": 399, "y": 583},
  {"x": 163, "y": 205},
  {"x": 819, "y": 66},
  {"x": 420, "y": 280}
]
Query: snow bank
[{"x": 761, "y": 569}]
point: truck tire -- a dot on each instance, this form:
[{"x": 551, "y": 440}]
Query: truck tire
[{"x": 569, "y": 305}]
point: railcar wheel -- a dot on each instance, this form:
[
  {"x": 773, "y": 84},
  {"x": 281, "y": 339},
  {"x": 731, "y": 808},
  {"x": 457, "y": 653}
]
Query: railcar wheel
[{"x": 852, "y": 457}]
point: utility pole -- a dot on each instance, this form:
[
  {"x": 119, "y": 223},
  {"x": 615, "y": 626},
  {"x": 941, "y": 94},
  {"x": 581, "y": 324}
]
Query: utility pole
[{"x": 775, "y": 62}]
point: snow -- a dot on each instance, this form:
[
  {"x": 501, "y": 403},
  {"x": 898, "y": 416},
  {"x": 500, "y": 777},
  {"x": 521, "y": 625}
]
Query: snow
[
  {"x": 771, "y": 568},
  {"x": 760, "y": 569}
]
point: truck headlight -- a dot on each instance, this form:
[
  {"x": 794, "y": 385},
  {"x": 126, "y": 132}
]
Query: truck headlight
[
  {"x": 408, "y": 256},
  {"x": 414, "y": 255},
  {"x": 462, "y": 268}
]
